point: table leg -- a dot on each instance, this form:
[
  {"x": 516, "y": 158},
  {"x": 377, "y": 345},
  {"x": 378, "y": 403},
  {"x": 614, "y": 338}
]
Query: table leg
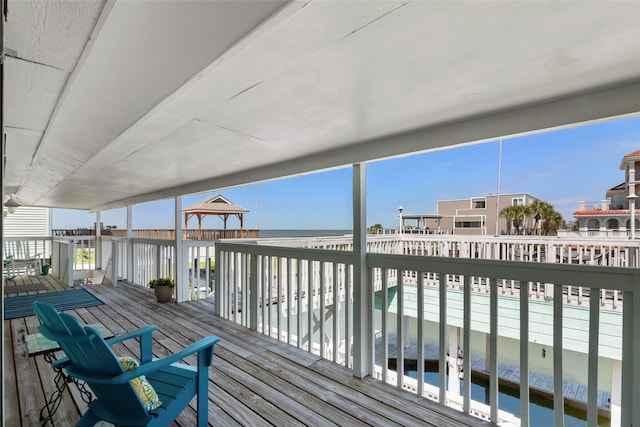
[
  {"x": 61, "y": 380},
  {"x": 53, "y": 403}
]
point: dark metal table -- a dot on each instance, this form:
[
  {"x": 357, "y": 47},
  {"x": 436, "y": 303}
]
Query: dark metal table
[{"x": 38, "y": 345}]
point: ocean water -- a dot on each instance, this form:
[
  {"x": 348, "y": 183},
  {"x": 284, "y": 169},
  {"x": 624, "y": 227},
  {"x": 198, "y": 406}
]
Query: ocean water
[{"x": 303, "y": 233}]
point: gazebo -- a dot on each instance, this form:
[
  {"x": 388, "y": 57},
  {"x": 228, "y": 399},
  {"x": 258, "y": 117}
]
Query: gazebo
[{"x": 216, "y": 205}]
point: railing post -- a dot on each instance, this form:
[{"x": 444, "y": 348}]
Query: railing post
[
  {"x": 362, "y": 294},
  {"x": 253, "y": 293},
  {"x": 114, "y": 262},
  {"x": 627, "y": 360},
  {"x": 182, "y": 278},
  {"x": 158, "y": 269},
  {"x": 630, "y": 358},
  {"x": 217, "y": 275},
  {"x": 129, "y": 244},
  {"x": 71, "y": 248}
]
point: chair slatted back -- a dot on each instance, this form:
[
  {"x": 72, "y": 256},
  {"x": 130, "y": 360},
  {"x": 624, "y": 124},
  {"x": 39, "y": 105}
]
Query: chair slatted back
[{"x": 89, "y": 354}]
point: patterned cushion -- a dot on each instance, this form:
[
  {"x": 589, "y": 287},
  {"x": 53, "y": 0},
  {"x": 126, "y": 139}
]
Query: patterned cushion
[{"x": 141, "y": 385}]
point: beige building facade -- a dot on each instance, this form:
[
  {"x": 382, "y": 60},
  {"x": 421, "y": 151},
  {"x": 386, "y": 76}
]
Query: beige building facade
[{"x": 478, "y": 216}]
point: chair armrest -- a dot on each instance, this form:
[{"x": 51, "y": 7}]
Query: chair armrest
[
  {"x": 205, "y": 344},
  {"x": 146, "y": 342},
  {"x": 142, "y": 332},
  {"x": 132, "y": 334}
]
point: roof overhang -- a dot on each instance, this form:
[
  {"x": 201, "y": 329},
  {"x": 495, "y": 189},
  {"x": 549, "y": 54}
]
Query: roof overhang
[{"x": 115, "y": 103}]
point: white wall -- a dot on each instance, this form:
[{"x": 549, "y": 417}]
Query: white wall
[{"x": 28, "y": 221}]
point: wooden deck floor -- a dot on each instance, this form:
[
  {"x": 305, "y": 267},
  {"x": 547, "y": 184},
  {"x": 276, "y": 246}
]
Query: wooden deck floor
[{"x": 254, "y": 380}]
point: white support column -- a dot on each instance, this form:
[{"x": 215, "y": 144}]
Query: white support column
[
  {"x": 362, "y": 295},
  {"x": 632, "y": 211},
  {"x": 115, "y": 262},
  {"x": 98, "y": 255},
  {"x": 182, "y": 276},
  {"x": 71, "y": 255},
  {"x": 129, "y": 244}
]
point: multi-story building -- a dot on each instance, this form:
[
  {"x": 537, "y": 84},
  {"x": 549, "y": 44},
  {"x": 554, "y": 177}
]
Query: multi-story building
[
  {"x": 612, "y": 215},
  {"x": 478, "y": 215}
]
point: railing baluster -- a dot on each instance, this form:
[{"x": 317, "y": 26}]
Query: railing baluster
[
  {"x": 299, "y": 301},
  {"x": 289, "y": 295},
  {"x": 524, "y": 355},
  {"x": 466, "y": 346},
  {"x": 558, "y": 386},
  {"x": 278, "y": 296},
  {"x": 323, "y": 268},
  {"x": 399, "y": 328},
  {"x": 385, "y": 338},
  {"x": 310, "y": 298},
  {"x": 336, "y": 312},
  {"x": 442, "y": 333},
  {"x": 420, "y": 332},
  {"x": 347, "y": 317},
  {"x": 492, "y": 365},
  {"x": 592, "y": 377}
]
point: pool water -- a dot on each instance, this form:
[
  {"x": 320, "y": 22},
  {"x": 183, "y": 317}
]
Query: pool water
[{"x": 540, "y": 408}]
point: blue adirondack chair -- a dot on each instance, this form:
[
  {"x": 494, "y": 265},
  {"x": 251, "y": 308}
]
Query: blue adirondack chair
[{"x": 91, "y": 359}]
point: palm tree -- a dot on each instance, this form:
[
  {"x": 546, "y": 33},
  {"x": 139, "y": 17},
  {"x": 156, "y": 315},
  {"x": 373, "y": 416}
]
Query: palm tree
[
  {"x": 553, "y": 223},
  {"x": 514, "y": 215},
  {"x": 540, "y": 210},
  {"x": 375, "y": 229}
]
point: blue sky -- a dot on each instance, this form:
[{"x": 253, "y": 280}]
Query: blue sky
[{"x": 561, "y": 167}]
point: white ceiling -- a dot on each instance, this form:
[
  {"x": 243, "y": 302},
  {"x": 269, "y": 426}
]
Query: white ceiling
[{"x": 114, "y": 103}]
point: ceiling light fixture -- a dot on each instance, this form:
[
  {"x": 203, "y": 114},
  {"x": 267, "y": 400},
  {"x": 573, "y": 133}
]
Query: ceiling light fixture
[{"x": 11, "y": 205}]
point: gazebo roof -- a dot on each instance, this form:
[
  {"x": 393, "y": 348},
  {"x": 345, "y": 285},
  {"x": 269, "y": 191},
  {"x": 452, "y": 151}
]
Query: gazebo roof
[{"x": 215, "y": 205}]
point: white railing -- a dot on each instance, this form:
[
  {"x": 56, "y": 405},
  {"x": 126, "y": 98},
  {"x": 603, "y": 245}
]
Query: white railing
[
  {"x": 200, "y": 261},
  {"x": 152, "y": 259},
  {"x": 29, "y": 253},
  {"x": 300, "y": 296},
  {"x": 594, "y": 233},
  {"x": 73, "y": 258},
  {"x": 615, "y": 252},
  {"x": 305, "y": 298}
]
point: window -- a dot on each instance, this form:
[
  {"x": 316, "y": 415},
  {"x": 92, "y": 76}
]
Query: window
[
  {"x": 629, "y": 224},
  {"x": 593, "y": 224},
  {"x": 517, "y": 201},
  {"x": 618, "y": 202},
  {"x": 612, "y": 224},
  {"x": 468, "y": 224},
  {"x": 479, "y": 204}
]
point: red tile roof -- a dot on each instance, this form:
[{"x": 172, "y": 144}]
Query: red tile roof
[
  {"x": 603, "y": 212},
  {"x": 626, "y": 159}
]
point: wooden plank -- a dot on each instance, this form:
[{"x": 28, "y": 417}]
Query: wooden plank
[
  {"x": 30, "y": 395},
  {"x": 11, "y": 404},
  {"x": 47, "y": 374},
  {"x": 417, "y": 409}
]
